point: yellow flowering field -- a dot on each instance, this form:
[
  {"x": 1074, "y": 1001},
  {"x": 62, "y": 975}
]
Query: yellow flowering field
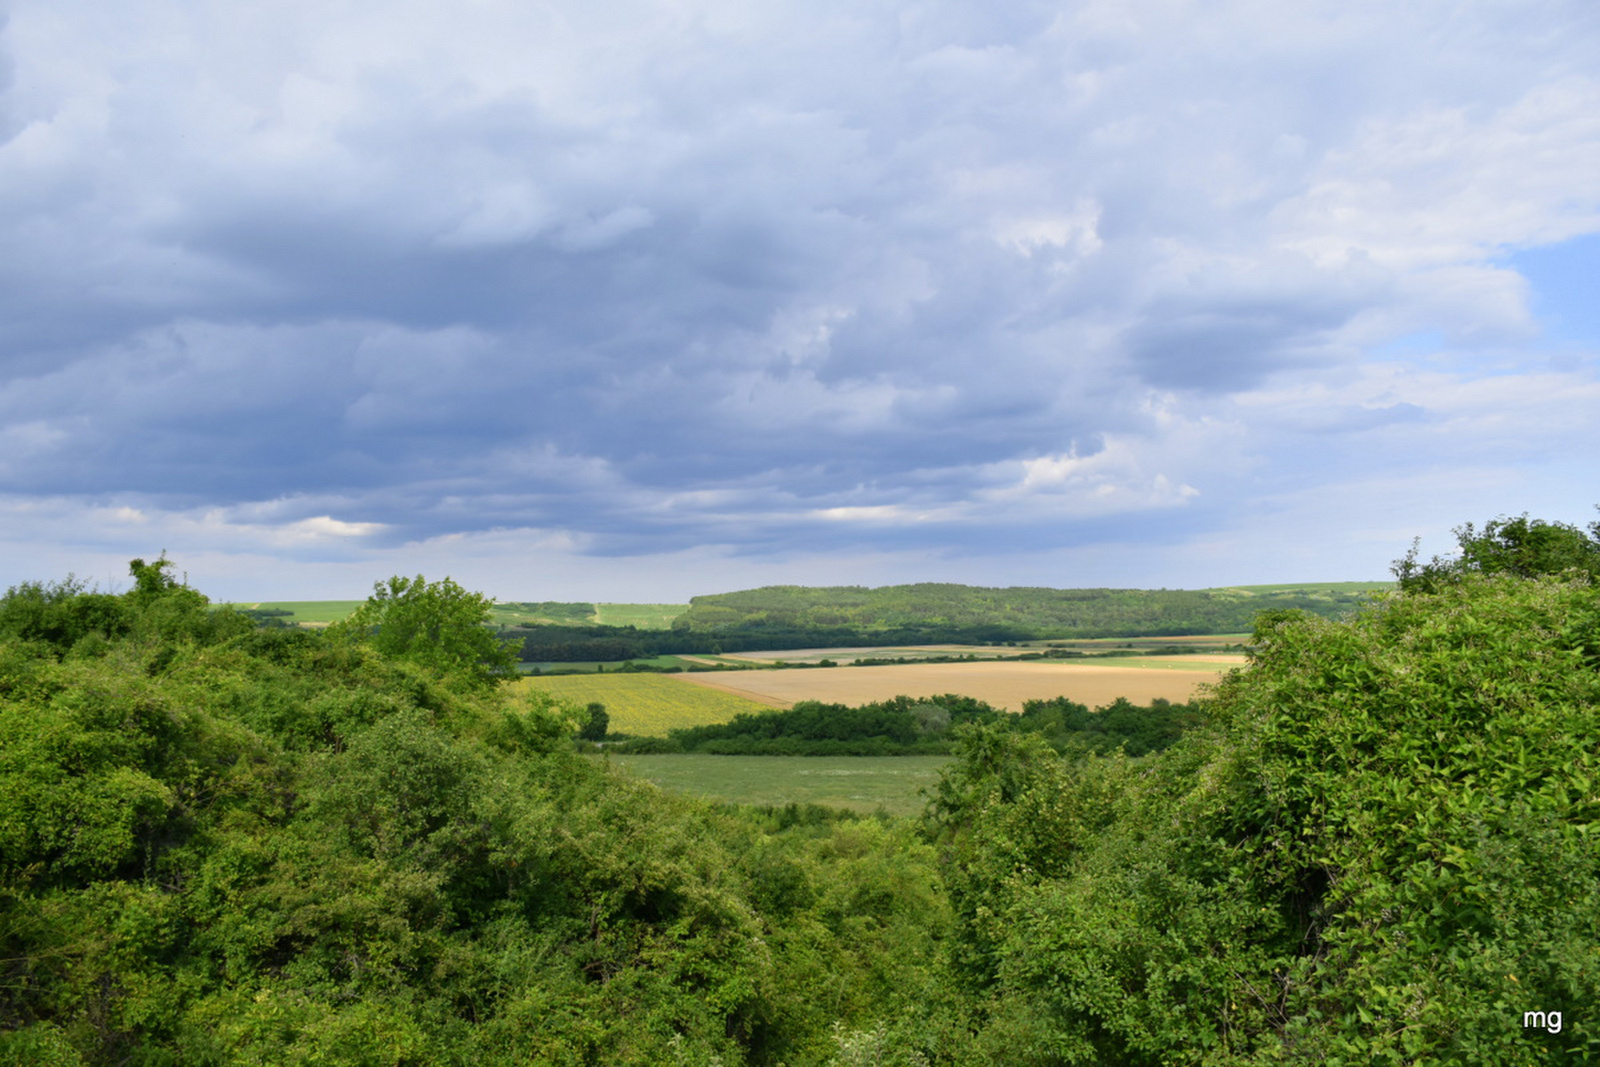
[{"x": 646, "y": 705}]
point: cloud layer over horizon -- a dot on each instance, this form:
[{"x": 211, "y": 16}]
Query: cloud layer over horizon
[{"x": 635, "y": 300}]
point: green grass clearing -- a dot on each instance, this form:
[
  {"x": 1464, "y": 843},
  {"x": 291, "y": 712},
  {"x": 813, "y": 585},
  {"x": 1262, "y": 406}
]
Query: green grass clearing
[
  {"x": 313, "y": 611},
  {"x": 1309, "y": 588},
  {"x": 859, "y": 783},
  {"x": 642, "y": 616},
  {"x": 512, "y": 613}
]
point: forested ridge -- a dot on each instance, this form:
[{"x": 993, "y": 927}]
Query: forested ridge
[
  {"x": 1021, "y": 612},
  {"x": 225, "y": 845},
  {"x": 776, "y": 617}
]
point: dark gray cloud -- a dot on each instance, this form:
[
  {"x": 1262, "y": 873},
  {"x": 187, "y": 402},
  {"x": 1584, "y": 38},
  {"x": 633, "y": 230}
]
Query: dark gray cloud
[{"x": 921, "y": 281}]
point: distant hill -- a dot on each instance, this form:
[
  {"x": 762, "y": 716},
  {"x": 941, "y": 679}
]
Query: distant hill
[{"x": 1018, "y": 612}]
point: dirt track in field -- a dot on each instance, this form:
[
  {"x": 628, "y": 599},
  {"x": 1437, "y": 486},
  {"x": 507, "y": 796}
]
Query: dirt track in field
[{"x": 1005, "y": 685}]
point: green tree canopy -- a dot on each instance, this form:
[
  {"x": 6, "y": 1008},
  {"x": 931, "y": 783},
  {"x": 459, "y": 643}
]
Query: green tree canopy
[
  {"x": 436, "y": 625},
  {"x": 1520, "y": 547},
  {"x": 598, "y": 725}
]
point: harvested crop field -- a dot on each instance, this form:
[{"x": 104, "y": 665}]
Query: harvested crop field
[{"x": 1005, "y": 685}]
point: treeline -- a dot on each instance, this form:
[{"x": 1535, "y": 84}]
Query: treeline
[
  {"x": 1017, "y": 613},
  {"x": 577, "y": 644},
  {"x": 906, "y": 726},
  {"x": 779, "y": 617}
]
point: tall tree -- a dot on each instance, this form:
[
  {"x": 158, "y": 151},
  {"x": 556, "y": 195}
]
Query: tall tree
[
  {"x": 436, "y": 625},
  {"x": 1520, "y": 547}
]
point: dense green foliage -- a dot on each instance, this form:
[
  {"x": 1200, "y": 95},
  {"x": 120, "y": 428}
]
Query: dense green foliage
[
  {"x": 1384, "y": 849},
  {"x": 1520, "y": 547},
  {"x": 220, "y": 845},
  {"x": 436, "y": 625},
  {"x": 906, "y": 726},
  {"x": 597, "y": 724}
]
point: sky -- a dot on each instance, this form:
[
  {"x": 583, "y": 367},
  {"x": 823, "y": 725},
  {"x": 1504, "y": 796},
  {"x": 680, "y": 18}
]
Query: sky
[{"x": 634, "y": 301}]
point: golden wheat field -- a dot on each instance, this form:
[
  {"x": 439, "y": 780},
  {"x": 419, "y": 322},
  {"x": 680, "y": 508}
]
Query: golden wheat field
[
  {"x": 647, "y": 704},
  {"x": 1005, "y": 685}
]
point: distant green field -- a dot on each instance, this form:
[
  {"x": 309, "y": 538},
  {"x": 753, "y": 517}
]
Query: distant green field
[
  {"x": 860, "y": 783},
  {"x": 311, "y": 610},
  {"x": 511, "y": 613},
  {"x": 646, "y": 705},
  {"x": 1311, "y": 588},
  {"x": 642, "y": 616}
]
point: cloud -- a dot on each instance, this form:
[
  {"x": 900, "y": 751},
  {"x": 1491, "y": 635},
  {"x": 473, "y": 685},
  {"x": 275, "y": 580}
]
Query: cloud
[{"x": 827, "y": 281}]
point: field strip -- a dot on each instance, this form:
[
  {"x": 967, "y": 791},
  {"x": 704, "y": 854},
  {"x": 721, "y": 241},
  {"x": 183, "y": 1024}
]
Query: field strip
[
  {"x": 749, "y": 694},
  {"x": 868, "y": 651},
  {"x": 647, "y": 704},
  {"x": 1006, "y": 685},
  {"x": 1179, "y": 639}
]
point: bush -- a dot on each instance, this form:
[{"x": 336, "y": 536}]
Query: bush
[{"x": 1381, "y": 850}]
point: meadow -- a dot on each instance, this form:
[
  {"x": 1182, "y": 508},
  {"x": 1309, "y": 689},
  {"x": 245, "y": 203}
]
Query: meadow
[
  {"x": 318, "y": 612},
  {"x": 1003, "y": 684},
  {"x": 640, "y": 616},
  {"x": 646, "y": 704},
  {"x": 865, "y": 784},
  {"x": 1312, "y": 589}
]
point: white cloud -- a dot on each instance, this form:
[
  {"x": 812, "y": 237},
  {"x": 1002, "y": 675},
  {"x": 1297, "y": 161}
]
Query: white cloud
[{"x": 324, "y": 526}]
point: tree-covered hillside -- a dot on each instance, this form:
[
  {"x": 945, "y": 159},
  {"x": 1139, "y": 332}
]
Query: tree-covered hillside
[
  {"x": 1014, "y": 613},
  {"x": 904, "y": 726}
]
